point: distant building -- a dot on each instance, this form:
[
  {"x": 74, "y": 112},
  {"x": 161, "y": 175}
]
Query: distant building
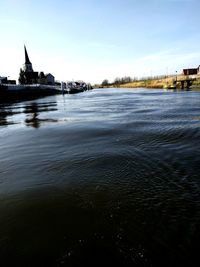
[
  {"x": 11, "y": 82},
  {"x": 50, "y": 78},
  {"x": 3, "y": 80},
  {"x": 193, "y": 71},
  {"x": 42, "y": 78},
  {"x": 46, "y": 79},
  {"x": 28, "y": 76}
]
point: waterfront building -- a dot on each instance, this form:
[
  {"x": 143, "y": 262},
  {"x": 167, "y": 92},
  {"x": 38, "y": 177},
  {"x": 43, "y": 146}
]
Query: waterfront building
[
  {"x": 29, "y": 76},
  {"x": 46, "y": 78},
  {"x": 41, "y": 78},
  {"x": 192, "y": 71},
  {"x": 50, "y": 79},
  {"x": 3, "y": 80}
]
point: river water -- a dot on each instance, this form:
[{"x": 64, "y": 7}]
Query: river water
[{"x": 102, "y": 178}]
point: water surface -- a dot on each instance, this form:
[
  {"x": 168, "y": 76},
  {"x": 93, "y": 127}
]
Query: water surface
[{"x": 108, "y": 176}]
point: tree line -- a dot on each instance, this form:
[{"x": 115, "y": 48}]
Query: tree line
[{"x": 128, "y": 79}]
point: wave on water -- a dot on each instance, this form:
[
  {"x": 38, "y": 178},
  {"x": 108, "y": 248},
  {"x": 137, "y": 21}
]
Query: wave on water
[{"x": 109, "y": 176}]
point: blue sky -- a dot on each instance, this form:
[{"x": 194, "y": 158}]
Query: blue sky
[{"x": 95, "y": 40}]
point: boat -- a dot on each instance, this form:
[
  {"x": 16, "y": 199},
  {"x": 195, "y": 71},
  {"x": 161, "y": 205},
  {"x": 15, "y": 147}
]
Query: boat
[
  {"x": 73, "y": 87},
  {"x": 170, "y": 86}
]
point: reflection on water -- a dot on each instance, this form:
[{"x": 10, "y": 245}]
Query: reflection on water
[
  {"x": 32, "y": 110},
  {"x": 107, "y": 177},
  {"x": 5, "y": 111}
]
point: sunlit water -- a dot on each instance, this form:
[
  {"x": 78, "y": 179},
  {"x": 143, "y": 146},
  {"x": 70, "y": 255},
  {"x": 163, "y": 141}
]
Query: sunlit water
[{"x": 102, "y": 178}]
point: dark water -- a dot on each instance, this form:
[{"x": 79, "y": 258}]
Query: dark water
[{"x": 103, "y": 178}]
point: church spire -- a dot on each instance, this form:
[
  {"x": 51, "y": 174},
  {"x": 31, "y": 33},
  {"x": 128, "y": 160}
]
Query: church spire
[
  {"x": 27, "y": 65},
  {"x": 27, "y": 61}
]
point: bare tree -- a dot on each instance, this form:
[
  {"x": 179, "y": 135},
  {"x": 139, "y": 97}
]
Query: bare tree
[
  {"x": 105, "y": 83},
  {"x": 22, "y": 78}
]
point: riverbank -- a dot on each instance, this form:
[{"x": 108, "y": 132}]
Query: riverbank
[
  {"x": 16, "y": 92},
  {"x": 153, "y": 83}
]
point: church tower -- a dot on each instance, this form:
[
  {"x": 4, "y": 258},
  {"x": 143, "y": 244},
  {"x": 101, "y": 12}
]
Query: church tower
[
  {"x": 27, "y": 65},
  {"x": 27, "y": 75}
]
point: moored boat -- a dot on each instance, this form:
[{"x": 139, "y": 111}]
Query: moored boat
[
  {"x": 172, "y": 85},
  {"x": 73, "y": 87}
]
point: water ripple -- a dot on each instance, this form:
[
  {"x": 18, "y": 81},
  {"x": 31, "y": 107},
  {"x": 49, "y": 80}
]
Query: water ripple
[{"x": 107, "y": 176}]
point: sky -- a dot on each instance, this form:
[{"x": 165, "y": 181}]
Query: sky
[{"x": 93, "y": 40}]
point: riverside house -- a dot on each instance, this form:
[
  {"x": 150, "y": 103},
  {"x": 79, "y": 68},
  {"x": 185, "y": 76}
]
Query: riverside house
[{"x": 193, "y": 71}]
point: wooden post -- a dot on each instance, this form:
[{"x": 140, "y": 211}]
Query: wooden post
[{"x": 182, "y": 85}]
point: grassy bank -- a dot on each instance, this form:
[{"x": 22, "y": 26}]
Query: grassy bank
[
  {"x": 153, "y": 83},
  {"x": 196, "y": 84},
  {"x": 146, "y": 83}
]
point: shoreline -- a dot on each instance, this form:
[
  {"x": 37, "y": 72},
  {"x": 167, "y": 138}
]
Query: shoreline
[{"x": 155, "y": 84}]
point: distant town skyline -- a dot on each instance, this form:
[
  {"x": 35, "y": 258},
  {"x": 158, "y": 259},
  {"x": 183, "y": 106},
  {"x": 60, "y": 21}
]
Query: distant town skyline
[{"x": 94, "y": 40}]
